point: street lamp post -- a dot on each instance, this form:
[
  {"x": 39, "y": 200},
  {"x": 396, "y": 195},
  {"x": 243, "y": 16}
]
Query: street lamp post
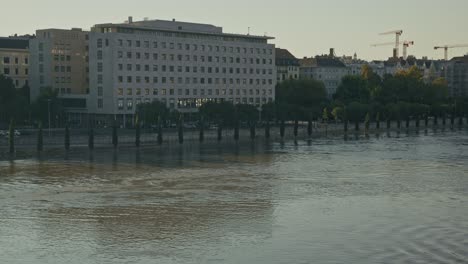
[{"x": 48, "y": 111}]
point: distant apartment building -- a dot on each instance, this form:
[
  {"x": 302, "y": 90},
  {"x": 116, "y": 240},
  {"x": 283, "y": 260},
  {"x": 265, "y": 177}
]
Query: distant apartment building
[
  {"x": 456, "y": 73},
  {"x": 180, "y": 64},
  {"x": 325, "y": 68},
  {"x": 59, "y": 60},
  {"x": 14, "y": 59},
  {"x": 287, "y": 66}
]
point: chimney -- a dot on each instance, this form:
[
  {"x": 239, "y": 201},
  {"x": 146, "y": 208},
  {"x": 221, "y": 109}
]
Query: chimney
[
  {"x": 332, "y": 52},
  {"x": 130, "y": 19},
  {"x": 395, "y": 53}
]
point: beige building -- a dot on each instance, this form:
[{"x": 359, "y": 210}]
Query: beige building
[
  {"x": 287, "y": 66},
  {"x": 59, "y": 60},
  {"x": 14, "y": 59}
]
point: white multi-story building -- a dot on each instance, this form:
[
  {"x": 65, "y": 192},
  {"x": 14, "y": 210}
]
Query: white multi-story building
[{"x": 181, "y": 64}]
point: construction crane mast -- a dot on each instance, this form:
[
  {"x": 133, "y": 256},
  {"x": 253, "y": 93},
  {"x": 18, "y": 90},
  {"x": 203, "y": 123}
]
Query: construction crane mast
[
  {"x": 397, "y": 33},
  {"x": 406, "y": 44},
  {"x": 447, "y": 47}
]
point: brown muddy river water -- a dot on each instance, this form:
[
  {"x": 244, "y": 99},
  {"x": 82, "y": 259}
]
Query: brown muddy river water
[{"x": 398, "y": 199}]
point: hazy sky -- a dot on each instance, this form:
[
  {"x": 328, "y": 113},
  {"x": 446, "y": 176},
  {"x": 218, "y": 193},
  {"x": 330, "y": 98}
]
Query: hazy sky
[{"x": 305, "y": 27}]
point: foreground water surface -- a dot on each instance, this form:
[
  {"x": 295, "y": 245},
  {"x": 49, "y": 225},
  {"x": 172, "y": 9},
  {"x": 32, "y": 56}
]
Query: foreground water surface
[{"x": 398, "y": 199}]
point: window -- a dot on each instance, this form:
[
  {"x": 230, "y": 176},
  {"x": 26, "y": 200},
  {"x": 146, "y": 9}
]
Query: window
[
  {"x": 6, "y": 71},
  {"x": 129, "y": 104},
  {"x": 100, "y": 103},
  {"x": 120, "y": 104},
  {"x": 120, "y": 91},
  {"x": 99, "y": 79},
  {"x": 99, "y": 67},
  {"x": 99, "y": 43},
  {"x": 6, "y": 60}
]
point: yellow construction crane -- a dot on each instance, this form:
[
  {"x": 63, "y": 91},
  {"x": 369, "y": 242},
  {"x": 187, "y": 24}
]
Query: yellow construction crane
[
  {"x": 406, "y": 44},
  {"x": 397, "y": 33},
  {"x": 447, "y": 47}
]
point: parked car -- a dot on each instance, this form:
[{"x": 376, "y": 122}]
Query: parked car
[{"x": 16, "y": 133}]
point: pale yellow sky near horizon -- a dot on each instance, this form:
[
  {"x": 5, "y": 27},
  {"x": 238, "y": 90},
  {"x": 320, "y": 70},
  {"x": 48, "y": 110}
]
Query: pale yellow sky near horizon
[{"x": 305, "y": 27}]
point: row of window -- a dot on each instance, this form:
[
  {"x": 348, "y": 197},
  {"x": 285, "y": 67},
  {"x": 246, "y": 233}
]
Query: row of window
[
  {"x": 180, "y": 46},
  {"x": 187, "y": 69},
  {"x": 187, "y": 92},
  {"x": 7, "y": 60},
  {"x": 190, "y": 80},
  {"x": 62, "y": 80},
  {"x": 7, "y": 71},
  {"x": 62, "y": 57},
  {"x": 186, "y": 58},
  {"x": 62, "y": 68}
]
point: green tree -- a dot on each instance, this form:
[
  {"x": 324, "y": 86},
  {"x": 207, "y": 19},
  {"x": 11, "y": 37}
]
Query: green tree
[
  {"x": 149, "y": 112},
  {"x": 337, "y": 113},
  {"x": 353, "y": 88},
  {"x": 47, "y": 103},
  {"x": 355, "y": 112}
]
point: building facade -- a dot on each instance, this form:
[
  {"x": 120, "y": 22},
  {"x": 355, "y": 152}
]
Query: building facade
[
  {"x": 287, "y": 66},
  {"x": 455, "y": 73},
  {"x": 59, "y": 60},
  {"x": 180, "y": 64},
  {"x": 14, "y": 59},
  {"x": 326, "y": 69}
]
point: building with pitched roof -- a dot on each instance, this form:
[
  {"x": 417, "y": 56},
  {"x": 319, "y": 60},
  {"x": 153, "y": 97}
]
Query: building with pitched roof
[
  {"x": 287, "y": 66},
  {"x": 14, "y": 59}
]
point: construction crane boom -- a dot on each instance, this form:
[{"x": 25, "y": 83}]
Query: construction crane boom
[
  {"x": 397, "y": 33},
  {"x": 447, "y": 47},
  {"x": 405, "y": 44}
]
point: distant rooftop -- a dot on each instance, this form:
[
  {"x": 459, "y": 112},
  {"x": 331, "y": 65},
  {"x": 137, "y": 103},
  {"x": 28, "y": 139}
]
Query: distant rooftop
[
  {"x": 14, "y": 43},
  {"x": 322, "y": 61},
  {"x": 285, "y": 58},
  {"x": 460, "y": 59},
  {"x": 175, "y": 26}
]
